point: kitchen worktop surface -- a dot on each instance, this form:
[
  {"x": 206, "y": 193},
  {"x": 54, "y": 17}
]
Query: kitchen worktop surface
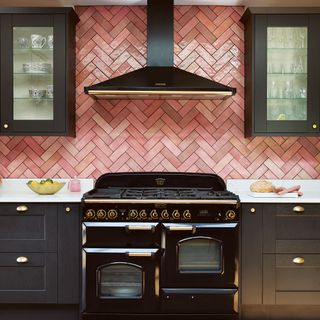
[
  {"x": 16, "y": 190},
  {"x": 310, "y": 189}
]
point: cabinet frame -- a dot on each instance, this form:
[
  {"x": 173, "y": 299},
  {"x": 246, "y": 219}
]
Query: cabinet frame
[
  {"x": 256, "y": 21},
  {"x": 63, "y": 21}
]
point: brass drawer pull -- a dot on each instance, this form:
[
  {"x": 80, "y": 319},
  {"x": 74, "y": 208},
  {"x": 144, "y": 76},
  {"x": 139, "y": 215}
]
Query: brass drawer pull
[
  {"x": 22, "y": 259},
  {"x": 298, "y": 209},
  {"x": 22, "y": 208},
  {"x": 298, "y": 260},
  {"x": 253, "y": 210}
]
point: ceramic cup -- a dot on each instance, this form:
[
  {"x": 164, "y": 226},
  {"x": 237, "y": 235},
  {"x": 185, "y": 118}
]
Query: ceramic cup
[
  {"x": 23, "y": 43},
  {"x": 38, "y": 41},
  {"x": 37, "y": 93},
  {"x": 50, "y": 91},
  {"x": 74, "y": 185},
  {"x": 50, "y": 41}
]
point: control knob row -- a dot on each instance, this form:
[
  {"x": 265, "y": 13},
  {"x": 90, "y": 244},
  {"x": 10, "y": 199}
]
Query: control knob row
[{"x": 101, "y": 214}]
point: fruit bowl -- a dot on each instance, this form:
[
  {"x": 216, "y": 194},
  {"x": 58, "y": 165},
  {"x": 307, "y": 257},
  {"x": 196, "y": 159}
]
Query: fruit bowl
[{"x": 45, "y": 187}]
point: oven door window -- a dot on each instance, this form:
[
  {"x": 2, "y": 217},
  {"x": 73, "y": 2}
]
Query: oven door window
[
  {"x": 120, "y": 281},
  {"x": 200, "y": 255}
]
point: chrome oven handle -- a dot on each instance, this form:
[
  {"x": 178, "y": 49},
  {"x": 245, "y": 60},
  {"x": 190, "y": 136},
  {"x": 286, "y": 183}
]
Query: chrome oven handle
[
  {"x": 140, "y": 254},
  {"x": 134, "y": 227},
  {"x": 193, "y": 229}
]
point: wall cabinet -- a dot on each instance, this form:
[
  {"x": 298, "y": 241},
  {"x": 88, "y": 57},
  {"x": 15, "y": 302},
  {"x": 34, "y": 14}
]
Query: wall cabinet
[
  {"x": 39, "y": 253},
  {"x": 282, "y": 71},
  {"x": 280, "y": 261},
  {"x": 37, "y": 55}
]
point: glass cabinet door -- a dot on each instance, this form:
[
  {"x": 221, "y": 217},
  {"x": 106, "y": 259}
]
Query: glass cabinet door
[
  {"x": 33, "y": 73},
  {"x": 286, "y": 72},
  {"x": 33, "y": 89},
  {"x": 287, "y": 65}
]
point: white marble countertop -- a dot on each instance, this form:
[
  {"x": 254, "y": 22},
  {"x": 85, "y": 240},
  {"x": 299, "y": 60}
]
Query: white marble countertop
[
  {"x": 16, "y": 190},
  {"x": 310, "y": 189}
]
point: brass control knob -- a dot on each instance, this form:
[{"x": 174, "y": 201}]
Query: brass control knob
[
  {"x": 186, "y": 214},
  {"x": 133, "y": 214},
  {"x": 101, "y": 214},
  {"x": 143, "y": 214},
  {"x": 176, "y": 214},
  {"x": 154, "y": 214},
  {"x": 230, "y": 215},
  {"x": 112, "y": 214},
  {"x": 165, "y": 214},
  {"x": 90, "y": 214}
]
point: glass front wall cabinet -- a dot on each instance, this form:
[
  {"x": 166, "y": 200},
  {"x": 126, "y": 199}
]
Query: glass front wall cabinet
[
  {"x": 282, "y": 72},
  {"x": 37, "y": 73}
]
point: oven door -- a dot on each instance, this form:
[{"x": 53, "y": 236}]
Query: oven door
[
  {"x": 121, "y": 280},
  {"x": 200, "y": 255}
]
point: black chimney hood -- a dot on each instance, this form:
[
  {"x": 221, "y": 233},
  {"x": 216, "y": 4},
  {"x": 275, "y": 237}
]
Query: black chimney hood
[{"x": 160, "y": 80}]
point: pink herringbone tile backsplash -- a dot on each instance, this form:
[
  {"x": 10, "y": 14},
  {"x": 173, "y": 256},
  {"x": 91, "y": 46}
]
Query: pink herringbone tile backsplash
[{"x": 198, "y": 136}]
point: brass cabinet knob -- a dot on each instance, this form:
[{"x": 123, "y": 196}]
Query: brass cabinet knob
[
  {"x": 298, "y": 260},
  {"x": 314, "y": 126},
  {"x": 298, "y": 209},
  {"x": 68, "y": 209},
  {"x": 6, "y": 126},
  {"x": 253, "y": 210},
  {"x": 22, "y": 208},
  {"x": 22, "y": 259}
]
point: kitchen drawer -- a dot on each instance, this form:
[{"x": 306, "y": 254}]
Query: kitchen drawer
[
  {"x": 286, "y": 282},
  {"x": 33, "y": 280},
  {"x": 28, "y": 227},
  {"x": 291, "y": 228}
]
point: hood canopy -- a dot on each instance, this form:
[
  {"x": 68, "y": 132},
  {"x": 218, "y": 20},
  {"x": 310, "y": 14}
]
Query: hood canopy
[{"x": 160, "y": 80}]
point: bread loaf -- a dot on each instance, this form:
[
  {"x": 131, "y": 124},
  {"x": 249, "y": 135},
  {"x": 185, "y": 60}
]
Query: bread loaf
[{"x": 262, "y": 186}]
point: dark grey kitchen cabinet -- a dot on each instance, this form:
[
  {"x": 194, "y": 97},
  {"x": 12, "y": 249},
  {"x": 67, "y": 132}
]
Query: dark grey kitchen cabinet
[
  {"x": 39, "y": 253},
  {"x": 280, "y": 261},
  {"x": 282, "y": 71},
  {"x": 37, "y": 55}
]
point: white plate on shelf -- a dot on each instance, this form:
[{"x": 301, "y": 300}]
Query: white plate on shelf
[{"x": 272, "y": 195}]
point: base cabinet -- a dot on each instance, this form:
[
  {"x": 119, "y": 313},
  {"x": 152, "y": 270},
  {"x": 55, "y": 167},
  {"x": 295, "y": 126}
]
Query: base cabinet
[
  {"x": 280, "y": 261},
  {"x": 39, "y": 259}
]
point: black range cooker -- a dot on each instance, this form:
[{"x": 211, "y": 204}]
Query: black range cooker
[{"x": 160, "y": 245}]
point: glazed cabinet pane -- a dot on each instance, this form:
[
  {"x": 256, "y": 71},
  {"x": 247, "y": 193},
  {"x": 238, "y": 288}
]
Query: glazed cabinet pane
[
  {"x": 287, "y": 65},
  {"x": 32, "y": 73}
]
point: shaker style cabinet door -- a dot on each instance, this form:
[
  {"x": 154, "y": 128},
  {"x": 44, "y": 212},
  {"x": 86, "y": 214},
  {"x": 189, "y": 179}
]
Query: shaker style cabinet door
[
  {"x": 283, "y": 73},
  {"x": 36, "y": 77}
]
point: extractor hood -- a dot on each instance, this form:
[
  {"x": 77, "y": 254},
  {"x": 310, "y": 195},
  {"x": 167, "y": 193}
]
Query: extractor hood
[{"x": 160, "y": 80}]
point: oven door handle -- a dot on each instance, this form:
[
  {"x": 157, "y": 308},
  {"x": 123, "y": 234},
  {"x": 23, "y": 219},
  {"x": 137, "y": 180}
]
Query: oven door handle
[
  {"x": 146, "y": 254},
  {"x": 134, "y": 227},
  {"x": 193, "y": 229}
]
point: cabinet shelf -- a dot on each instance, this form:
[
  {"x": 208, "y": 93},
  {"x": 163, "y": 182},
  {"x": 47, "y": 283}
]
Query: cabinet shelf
[
  {"x": 298, "y": 99},
  {"x": 288, "y": 73},
  {"x": 294, "y": 49},
  {"x": 33, "y": 73}
]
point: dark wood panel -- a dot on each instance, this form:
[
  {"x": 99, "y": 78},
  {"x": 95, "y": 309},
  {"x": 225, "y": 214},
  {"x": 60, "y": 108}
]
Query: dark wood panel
[
  {"x": 34, "y": 230},
  {"x": 284, "y": 209},
  {"x": 269, "y": 279},
  {"x": 251, "y": 254},
  {"x": 39, "y": 312},
  {"x": 297, "y": 246},
  {"x": 32, "y": 282},
  {"x": 296, "y": 298},
  {"x": 69, "y": 253}
]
